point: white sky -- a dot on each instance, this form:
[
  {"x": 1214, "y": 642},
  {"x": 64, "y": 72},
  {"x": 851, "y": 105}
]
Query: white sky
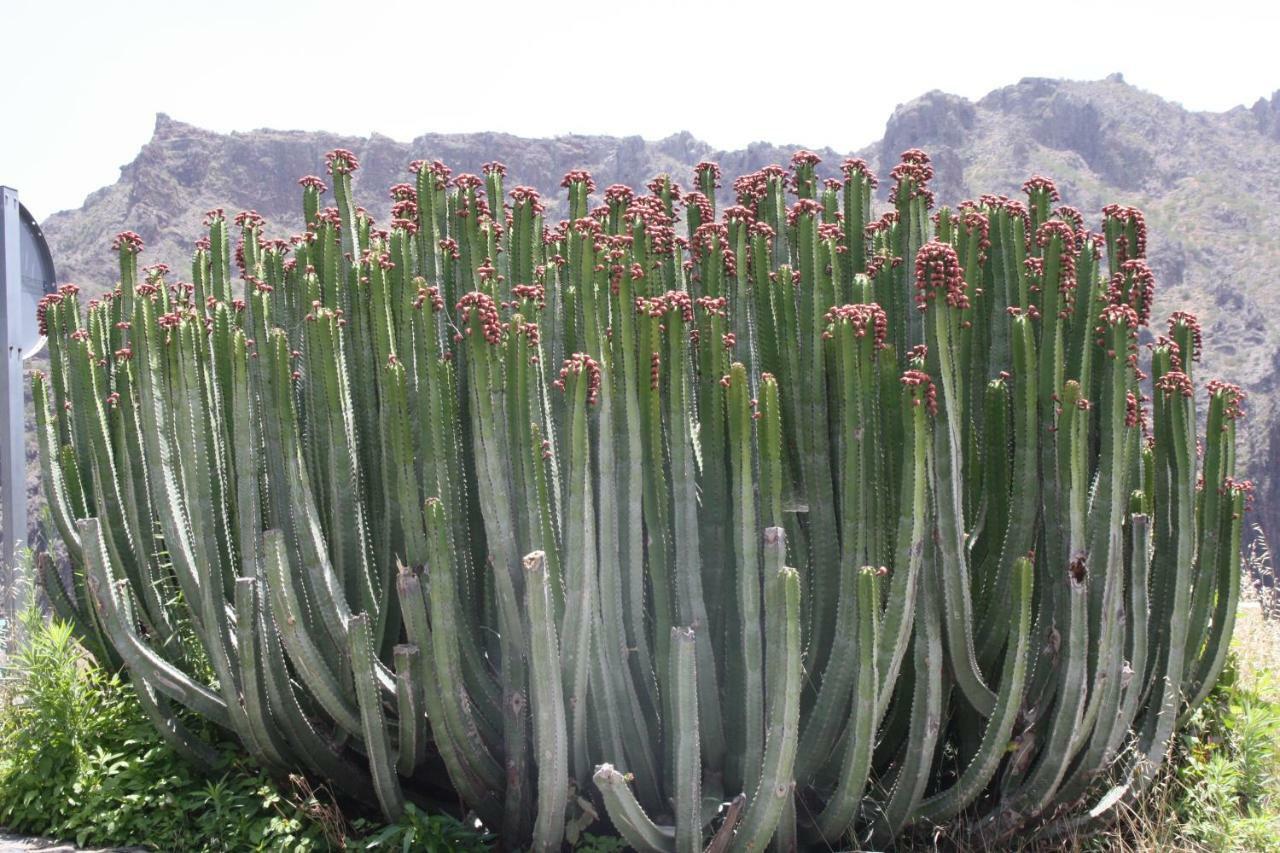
[{"x": 83, "y": 79}]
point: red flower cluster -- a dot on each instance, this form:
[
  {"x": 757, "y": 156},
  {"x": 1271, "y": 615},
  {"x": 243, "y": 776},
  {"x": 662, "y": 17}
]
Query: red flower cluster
[
  {"x": 527, "y": 195},
  {"x": 487, "y": 313},
  {"x": 620, "y": 194},
  {"x": 698, "y": 201},
  {"x": 754, "y": 186},
  {"x": 976, "y": 226},
  {"x": 658, "y": 307},
  {"x": 1134, "y": 285},
  {"x": 1039, "y": 183},
  {"x": 535, "y": 293},
  {"x": 1233, "y": 398},
  {"x": 715, "y": 306},
  {"x": 657, "y": 185},
  {"x": 403, "y": 192},
  {"x": 578, "y": 176},
  {"x": 1188, "y": 320},
  {"x": 1012, "y": 207},
  {"x": 249, "y": 219},
  {"x": 803, "y": 207},
  {"x": 494, "y": 168},
  {"x": 911, "y": 177},
  {"x": 127, "y": 241},
  {"x": 704, "y": 168},
  {"x": 865, "y": 319},
  {"x": 927, "y": 393},
  {"x": 1232, "y": 486},
  {"x": 1124, "y": 215},
  {"x": 576, "y": 365},
  {"x": 1066, "y": 259},
  {"x": 857, "y": 166},
  {"x": 938, "y": 271},
  {"x": 340, "y": 161},
  {"x": 314, "y": 183},
  {"x": 803, "y": 158},
  {"x": 1175, "y": 381},
  {"x": 429, "y": 295}
]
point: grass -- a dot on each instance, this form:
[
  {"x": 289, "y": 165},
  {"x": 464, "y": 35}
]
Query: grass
[{"x": 1221, "y": 791}]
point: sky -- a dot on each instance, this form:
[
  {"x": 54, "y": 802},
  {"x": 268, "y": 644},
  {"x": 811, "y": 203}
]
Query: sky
[{"x": 83, "y": 79}]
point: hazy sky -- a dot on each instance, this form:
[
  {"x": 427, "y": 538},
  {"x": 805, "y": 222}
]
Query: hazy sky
[{"x": 83, "y": 80}]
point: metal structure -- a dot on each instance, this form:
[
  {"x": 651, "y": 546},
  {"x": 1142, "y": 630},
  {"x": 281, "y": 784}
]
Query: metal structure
[{"x": 26, "y": 274}]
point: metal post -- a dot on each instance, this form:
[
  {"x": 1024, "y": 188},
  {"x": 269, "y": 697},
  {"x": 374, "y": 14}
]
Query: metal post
[{"x": 13, "y": 456}]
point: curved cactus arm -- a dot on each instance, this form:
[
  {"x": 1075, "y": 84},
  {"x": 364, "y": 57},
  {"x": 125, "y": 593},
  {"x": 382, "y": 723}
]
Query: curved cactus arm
[
  {"x": 1137, "y": 642},
  {"x": 946, "y": 466},
  {"x": 836, "y": 819},
  {"x": 690, "y": 603},
  {"x": 1021, "y": 524},
  {"x": 825, "y": 722},
  {"x": 315, "y": 750},
  {"x": 171, "y": 728},
  {"x": 377, "y": 741},
  {"x": 813, "y": 437},
  {"x": 635, "y": 827},
  {"x": 550, "y": 734},
  {"x": 783, "y": 674},
  {"x": 263, "y": 738},
  {"x": 785, "y": 837},
  {"x": 471, "y": 768},
  {"x": 1218, "y": 643},
  {"x": 629, "y": 426},
  {"x": 686, "y": 750},
  {"x": 496, "y": 511},
  {"x": 925, "y": 725},
  {"x": 303, "y": 651},
  {"x": 139, "y": 657},
  {"x": 749, "y": 663},
  {"x": 1036, "y": 793},
  {"x": 458, "y": 698},
  {"x": 995, "y": 738},
  {"x": 53, "y": 480},
  {"x": 618, "y": 709},
  {"x": 900, "y": 608},
  {"x": 580, "y": 566},
  {"x": 411, "y": 748}
]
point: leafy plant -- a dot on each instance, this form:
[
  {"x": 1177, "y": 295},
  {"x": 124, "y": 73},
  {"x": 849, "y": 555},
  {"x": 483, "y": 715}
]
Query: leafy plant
[
  {"x": 79, "y": 759},
  {"x": 782, "y": 522},
  {"x": 417, "y": 830}
]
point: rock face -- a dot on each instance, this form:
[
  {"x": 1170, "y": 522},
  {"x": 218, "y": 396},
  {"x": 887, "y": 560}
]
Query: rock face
[{"x": 1208, "y": 183}]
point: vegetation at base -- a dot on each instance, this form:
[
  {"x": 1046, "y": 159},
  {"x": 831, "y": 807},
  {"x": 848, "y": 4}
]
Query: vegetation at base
[
  {"x": 1220, "y": 790},
  {"x": 80, "y": 761}
]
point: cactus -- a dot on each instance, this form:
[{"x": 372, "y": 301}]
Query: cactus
[{"x": 803, "y": 527}]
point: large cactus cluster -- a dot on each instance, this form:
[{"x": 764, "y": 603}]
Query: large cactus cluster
[{"x": 788, "y": 524}]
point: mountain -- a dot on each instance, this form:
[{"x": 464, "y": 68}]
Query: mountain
[{"x": 1207, "y": 182}]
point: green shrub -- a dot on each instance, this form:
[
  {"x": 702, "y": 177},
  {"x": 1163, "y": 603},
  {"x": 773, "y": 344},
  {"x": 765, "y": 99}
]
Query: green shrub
[
  {"x": 79, "y": 759},
  {"x": 1228, "y": 775}
]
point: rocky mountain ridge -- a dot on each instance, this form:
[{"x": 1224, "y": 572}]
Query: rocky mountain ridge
[{"x": 1207, "y": 182}]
